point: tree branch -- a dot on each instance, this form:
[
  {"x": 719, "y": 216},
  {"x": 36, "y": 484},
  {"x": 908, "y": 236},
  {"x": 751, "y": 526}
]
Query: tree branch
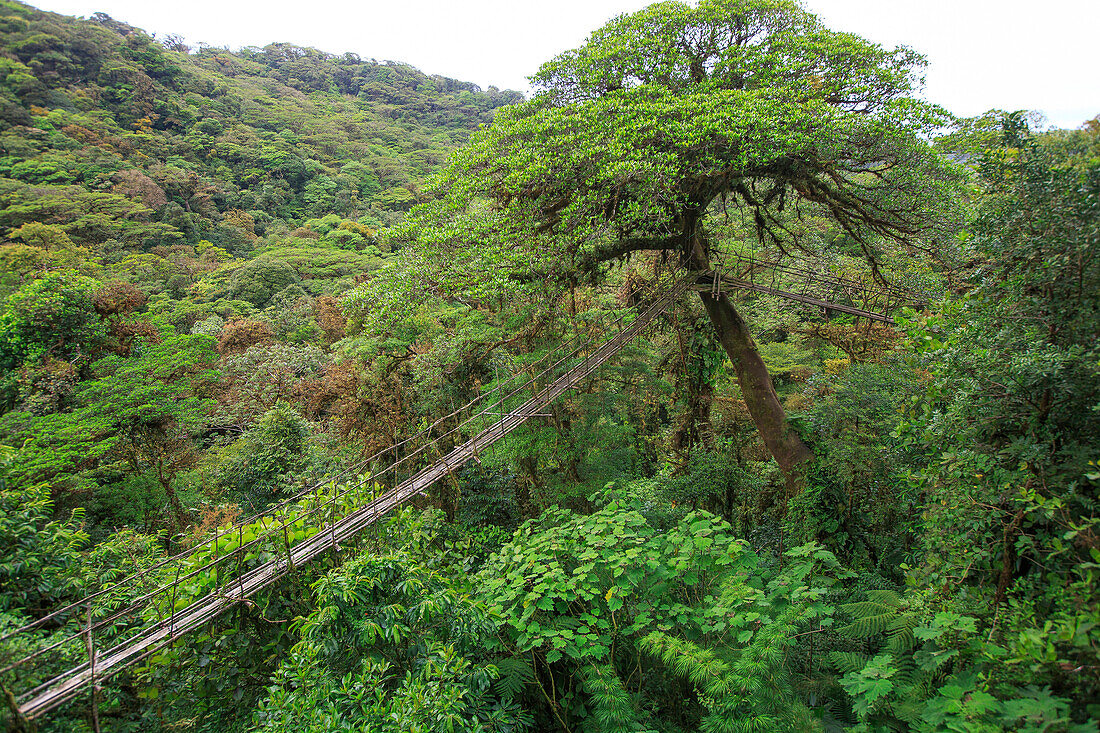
[{"x": 603, "y": 253}]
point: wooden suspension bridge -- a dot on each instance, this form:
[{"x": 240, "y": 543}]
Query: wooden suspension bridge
[{"x": 579, "y": 364}]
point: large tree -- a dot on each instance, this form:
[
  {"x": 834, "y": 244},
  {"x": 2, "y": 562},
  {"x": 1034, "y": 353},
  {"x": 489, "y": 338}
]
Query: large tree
[{"x": 631, "y": 140}]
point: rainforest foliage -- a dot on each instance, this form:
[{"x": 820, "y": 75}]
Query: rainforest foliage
[{"x": 229, "y": 278}]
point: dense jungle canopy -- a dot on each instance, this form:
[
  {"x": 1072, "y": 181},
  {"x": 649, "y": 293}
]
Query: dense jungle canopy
[{"x": 233, "y": 279}]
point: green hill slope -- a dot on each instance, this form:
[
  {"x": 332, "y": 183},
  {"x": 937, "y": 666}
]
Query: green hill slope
[{"x": 160, "y": 143}]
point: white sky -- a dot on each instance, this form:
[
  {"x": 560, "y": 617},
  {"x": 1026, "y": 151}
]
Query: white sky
[{"x": 984, "y": 54}]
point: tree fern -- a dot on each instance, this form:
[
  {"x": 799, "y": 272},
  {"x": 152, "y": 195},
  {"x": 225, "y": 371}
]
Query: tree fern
[{"x": 882, "y": 613}]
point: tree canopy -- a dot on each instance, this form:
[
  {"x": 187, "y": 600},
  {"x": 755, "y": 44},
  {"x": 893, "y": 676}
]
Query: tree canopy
[
  {"x": 632, "y": 136},
  {"x": 632, "y": 141}
]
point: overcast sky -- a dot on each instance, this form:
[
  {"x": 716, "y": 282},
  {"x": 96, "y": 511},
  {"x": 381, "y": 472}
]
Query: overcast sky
[{"x": 984, "y": 54}]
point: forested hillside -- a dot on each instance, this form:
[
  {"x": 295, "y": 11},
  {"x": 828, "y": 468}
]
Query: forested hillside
[
  {"x": 846, "y": 481},
  {"x": 173, "y": 210}
]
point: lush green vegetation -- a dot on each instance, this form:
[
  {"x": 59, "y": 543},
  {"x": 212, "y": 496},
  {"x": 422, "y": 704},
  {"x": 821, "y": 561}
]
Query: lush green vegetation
[{"x": 227, "y": 275}]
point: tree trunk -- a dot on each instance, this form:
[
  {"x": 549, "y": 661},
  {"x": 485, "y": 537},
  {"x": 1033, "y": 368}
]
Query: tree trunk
[
  {"x": 752, "y": 374},
  {"x": 757, "y": 390}
]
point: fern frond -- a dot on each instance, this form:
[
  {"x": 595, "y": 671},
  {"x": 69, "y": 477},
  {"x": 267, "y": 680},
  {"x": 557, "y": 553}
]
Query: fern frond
[
  {"x": 515, "y": 674},
  {"x": 848, "y": 662},
  {"x": 881, "y": 613},
  {"x": 885, "y": 597},
  {"x": 869, "y": 621},
  {"x": 900, "y": 635}
]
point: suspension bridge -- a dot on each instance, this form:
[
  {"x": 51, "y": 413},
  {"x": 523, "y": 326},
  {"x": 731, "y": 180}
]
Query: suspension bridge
[{"x": 153, "y": 619}]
